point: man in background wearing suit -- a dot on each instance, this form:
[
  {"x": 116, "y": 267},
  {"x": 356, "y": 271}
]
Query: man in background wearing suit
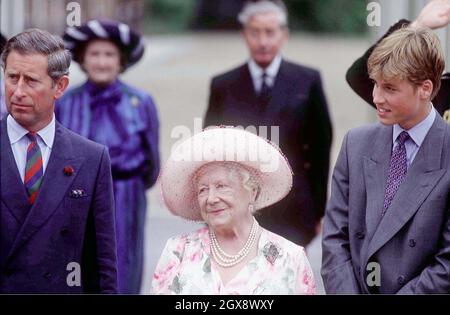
[
  {"x": 57, "y": 208},
  {"x": 387, "y": 224},
  {"x": 270, "y": 91}
]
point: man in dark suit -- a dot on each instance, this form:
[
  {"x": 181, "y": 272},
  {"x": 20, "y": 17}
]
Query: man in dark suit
[
  {"x": 436, "y": 14},
  {"x": 387, "y": 224},
  {"x": 57, "y": 208},
  {"x": 270, "y": 91}
]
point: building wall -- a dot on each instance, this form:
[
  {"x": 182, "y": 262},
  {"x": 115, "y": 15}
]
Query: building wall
[{"x": 51, "y": 15}]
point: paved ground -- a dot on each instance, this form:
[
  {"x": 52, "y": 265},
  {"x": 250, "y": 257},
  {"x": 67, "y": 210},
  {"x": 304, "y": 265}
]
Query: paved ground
[{"x": 177, "y": 70}]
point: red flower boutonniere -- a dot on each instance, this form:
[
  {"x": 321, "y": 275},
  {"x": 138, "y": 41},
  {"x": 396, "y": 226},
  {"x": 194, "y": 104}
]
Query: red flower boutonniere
[{"x": 68, "y": 170}]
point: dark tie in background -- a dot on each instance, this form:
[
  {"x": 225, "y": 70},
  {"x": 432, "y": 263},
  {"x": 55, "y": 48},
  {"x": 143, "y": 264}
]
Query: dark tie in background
[
  {"x": 34, "y": 168},
  {"x": 397, "y": 170},
  {"x": 264, "y": 94}
]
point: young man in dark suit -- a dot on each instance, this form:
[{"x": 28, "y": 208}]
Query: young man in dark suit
[
  {"x": 271, "y": 91},
  {"x": 57, "y": 208}
]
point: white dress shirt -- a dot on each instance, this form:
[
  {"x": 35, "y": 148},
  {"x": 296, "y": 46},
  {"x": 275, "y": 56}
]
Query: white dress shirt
[
  {"x": 20, "y": 142},
  {"x": 271, "y": 71},
  {"x": 416, "y": 136}
]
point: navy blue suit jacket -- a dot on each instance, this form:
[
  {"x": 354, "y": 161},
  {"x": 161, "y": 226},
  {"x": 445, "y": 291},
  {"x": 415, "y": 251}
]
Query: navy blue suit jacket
[
  {"x": 38, "y": 243},
  {"x": 298, "y": 106}
]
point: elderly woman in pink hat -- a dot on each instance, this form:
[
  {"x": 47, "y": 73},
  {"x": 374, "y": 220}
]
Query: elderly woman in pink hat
[{"x": 223, "y": 177}]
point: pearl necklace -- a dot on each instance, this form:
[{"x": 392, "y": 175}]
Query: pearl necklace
[{"x": 225, "y": 260}]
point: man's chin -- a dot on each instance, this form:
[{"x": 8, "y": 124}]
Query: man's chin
[{"x": 263, "y": 62}]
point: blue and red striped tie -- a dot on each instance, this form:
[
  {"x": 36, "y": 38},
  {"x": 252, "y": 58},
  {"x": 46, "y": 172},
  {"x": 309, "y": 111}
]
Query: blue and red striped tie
[{"x": 34, "y": 169}]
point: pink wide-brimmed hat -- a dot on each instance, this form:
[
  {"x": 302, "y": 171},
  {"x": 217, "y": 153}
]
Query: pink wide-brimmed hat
[{"x": 259, "y": 156}]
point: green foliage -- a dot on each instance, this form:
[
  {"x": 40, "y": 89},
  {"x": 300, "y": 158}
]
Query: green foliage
[
  {"x": 329, "y": 16},
  {"x": 168, "y": 15},
  {"x": 326, "y": 16}
]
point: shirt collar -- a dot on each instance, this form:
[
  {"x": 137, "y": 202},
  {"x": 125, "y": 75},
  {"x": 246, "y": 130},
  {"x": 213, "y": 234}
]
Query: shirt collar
[
  {"x": 419, "y": 131},
  {"x": 17, "y": 132},
  {"x": 271, "y": 71}
]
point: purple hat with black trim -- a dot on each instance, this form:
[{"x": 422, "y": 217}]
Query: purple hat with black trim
[
  {"x": 2, "y": 42},
  {"x": 130, "y": 43}
]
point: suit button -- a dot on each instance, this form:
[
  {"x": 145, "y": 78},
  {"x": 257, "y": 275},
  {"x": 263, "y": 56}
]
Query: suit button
[
  {"x": 360, "y": 235},
  {"x": 305, "y": 147},
  {"x": 412, "y": 243},
  {"x": 401, "y": 280},
  {"x": 48, "y": 275},
  {"x": 307, "y": 165},
  {"x": 64, "y": 231}
]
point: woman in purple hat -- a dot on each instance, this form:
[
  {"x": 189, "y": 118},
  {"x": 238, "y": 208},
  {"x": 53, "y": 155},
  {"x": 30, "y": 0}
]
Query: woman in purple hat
[{"x": 110, "y": 112}]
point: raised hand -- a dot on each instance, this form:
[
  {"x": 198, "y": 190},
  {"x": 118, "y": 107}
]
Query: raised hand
[{"x": 435, "y": 14}]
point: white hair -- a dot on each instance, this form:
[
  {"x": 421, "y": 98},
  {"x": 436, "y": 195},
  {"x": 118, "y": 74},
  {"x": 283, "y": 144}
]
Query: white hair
[{"x": 265, "y": 6}]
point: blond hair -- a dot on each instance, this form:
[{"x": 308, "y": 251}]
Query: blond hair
[{"x": 413, "y": 54}]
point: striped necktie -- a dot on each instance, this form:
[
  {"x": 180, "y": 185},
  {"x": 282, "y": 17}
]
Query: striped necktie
[{"x": 34, "y": 169}]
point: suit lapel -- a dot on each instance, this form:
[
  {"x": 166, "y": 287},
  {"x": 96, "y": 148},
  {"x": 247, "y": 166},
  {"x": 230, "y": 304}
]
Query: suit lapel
[
  {"x": 411, "y": 194},
  {"x": 280, "y": 89},
  {"x": 246, "y": 88},
  {"x": 54, "y": 187},
  {"x": 15, "y": 197},
  {"x": 376, "y": 167}
]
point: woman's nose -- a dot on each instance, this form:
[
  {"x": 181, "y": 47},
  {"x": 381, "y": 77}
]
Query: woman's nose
[{"x": 212, "y": 196}]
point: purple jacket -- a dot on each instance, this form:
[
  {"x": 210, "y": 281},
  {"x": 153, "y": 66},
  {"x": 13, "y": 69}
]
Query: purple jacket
[{"x": 72, "y": 221}]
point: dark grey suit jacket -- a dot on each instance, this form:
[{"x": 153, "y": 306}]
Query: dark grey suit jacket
[{"x": 411, "y": 243}]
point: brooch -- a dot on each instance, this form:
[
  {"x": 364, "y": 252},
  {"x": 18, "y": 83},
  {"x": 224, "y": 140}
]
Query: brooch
[
  {"x": 271, "y": 252},
  {"x": 446, "y": 116}
]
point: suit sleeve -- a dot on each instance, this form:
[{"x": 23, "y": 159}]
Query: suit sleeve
[
  {"x": 320, "y": 130},
  {"x": 215, "y": 103},
  {"x": 337, "y": 268},
  {"x": 434, "y": 279},
  {"x": 357, "y": 75},
  {"x": 104, "y": 226}
]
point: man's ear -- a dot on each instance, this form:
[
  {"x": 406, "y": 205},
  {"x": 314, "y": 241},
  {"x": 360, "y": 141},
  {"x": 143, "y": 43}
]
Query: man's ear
[
  {"x": 60, "y": 86},
  {"x": 426, "y": 89}
]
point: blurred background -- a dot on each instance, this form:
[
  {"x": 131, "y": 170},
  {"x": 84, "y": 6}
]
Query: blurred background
[{"x": 190, "y": 41}]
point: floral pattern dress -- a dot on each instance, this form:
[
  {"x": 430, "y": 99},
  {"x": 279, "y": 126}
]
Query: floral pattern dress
[{"x": 280, "y": 267}]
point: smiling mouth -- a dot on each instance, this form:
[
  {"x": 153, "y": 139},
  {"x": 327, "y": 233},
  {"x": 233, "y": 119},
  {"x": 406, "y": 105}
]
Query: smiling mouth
[
  {"x": 20, "y": 105},
  {"x": 216, "y": 211},
  {"x": 383, "y": 110}
]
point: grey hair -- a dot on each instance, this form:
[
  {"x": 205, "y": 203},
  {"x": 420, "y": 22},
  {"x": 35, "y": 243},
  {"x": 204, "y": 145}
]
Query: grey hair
[
  {"x": 248, "y": 178},
  {"x": 36, "y": 41},
  {"x": 252, "y": 8}
]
